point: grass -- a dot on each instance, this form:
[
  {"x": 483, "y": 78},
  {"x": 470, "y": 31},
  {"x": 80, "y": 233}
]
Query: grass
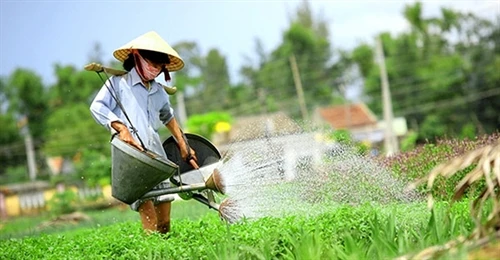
[
  {"x": 31, "y": 225},
  {"x": 347, "y": 232}
]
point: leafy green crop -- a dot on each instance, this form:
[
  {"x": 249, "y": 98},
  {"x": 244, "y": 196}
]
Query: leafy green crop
[
  {"x": 362, "y": 232},
  {"x": 367, "y": 231}
]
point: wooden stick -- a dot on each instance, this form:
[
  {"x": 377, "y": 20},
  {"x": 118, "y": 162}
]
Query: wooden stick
[{"x": 115, "y": 72}]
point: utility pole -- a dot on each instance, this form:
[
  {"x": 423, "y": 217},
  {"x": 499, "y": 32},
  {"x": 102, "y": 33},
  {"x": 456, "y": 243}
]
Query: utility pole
[
  {"x": 261, "y": 93},
  {"x": 30, "y": 151},
  {"x": 390, "y": 140},
  {"x": 298, "y": 87},
  {"x": 347, "y": 106}
]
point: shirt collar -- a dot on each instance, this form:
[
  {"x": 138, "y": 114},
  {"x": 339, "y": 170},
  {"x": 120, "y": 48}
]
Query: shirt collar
[{"x": 135, "y": 79}]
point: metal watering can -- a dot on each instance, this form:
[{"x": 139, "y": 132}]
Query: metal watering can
[{"x": 134, "y": 173}]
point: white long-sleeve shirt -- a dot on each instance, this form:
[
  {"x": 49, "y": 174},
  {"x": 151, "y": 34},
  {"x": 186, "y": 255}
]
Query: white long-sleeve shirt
[{"x": 148, "y": 110}]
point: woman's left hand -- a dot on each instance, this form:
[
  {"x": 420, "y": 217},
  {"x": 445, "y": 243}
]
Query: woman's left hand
[{"x": 186, "y": 155}]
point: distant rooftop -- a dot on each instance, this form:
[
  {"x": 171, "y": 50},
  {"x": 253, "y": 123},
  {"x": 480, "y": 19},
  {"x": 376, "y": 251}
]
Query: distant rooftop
[{"x": 347, "y": 116}]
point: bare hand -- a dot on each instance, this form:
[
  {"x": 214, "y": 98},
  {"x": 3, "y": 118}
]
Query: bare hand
[
  {"x": 125, "y": 135},
  {"x": 186, "y": 155},
  {"x": 129, "y": 139}
]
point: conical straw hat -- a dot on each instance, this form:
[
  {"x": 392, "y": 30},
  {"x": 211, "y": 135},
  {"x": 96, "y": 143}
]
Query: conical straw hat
[{"x": 151, "y": 41}]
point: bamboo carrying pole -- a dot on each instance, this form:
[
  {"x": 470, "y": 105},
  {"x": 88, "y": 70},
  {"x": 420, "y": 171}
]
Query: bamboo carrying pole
[{"x": 99, "y": 68}]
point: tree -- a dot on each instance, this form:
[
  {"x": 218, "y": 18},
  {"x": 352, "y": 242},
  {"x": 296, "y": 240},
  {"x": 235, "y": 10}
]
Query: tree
[
  {"x": 204, "y": 79},
  {"x": 436, "y": 82},
  {"x": 307, "y": 40},
  {"x": 189, "y": 76},
  {"x": 71, "y": 129},
  {"x": 10, "y": 132},
  {"x": 482, "y": 51},
  {"x": 215, "y": 81},
  {"x": 23, "y": 107},
  {"x": 73, "y": 86},
  {"x": 70, "y": 126},
  {"x": 12, "y": 151},
  {"x": 27, "y": 98}
]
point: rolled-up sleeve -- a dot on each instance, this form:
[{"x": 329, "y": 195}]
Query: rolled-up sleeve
[
  {"x": 102, "y": 107},
  {"x": 166, "y": 113}
]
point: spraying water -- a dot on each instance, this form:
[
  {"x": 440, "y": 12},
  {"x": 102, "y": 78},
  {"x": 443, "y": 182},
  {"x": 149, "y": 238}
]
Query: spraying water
[{"x": 301, "y": 174}]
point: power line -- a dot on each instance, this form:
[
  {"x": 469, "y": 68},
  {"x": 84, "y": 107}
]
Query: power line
[{"x": 450, "y": 102}]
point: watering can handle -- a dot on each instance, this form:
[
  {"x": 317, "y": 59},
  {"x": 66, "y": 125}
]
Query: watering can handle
[{"x": 194, "y": 164}]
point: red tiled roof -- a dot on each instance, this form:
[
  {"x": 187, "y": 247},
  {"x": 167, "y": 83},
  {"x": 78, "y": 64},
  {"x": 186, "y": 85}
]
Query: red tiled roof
[{"x": 347, "y": 116}]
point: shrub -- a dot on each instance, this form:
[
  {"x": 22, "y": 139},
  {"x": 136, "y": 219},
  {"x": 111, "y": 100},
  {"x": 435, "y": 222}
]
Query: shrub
[
  {"x": 343, "y": 136},
  {"x": 420, "y": 161},
  {"x": 94, "y": 168},
  {"x": 62, "y": 202},
  {"x": 205, "y": 124},
  {"x": 16, "y": 174}
]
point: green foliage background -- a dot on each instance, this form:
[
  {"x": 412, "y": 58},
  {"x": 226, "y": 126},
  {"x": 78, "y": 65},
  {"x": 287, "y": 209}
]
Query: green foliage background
[{"x": 444, "y": 86}]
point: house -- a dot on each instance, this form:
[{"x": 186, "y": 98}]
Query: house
[
  {"x": 353, "y": 117},
  {"x": 359, "y": 120},
  {"x": 22, "y": 198}
]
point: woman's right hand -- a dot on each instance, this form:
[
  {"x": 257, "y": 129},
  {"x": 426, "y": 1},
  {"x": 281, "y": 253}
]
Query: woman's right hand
[{"x": 125, "y": 135}]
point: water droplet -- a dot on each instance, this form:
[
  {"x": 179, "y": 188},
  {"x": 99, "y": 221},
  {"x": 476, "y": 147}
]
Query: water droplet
[{"x": 301, "y": 175}]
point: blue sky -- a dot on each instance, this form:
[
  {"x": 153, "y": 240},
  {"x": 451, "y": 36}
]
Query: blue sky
[{"x": 39, "y": 34}]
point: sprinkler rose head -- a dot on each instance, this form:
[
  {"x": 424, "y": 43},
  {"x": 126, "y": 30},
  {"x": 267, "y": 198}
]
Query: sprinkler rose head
[
  {"x": 214, "y": 182},
  {"x": 228, "y": 211}
]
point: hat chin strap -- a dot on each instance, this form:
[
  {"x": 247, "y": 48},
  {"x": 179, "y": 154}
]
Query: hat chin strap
[{"x": 166, "y": 74}]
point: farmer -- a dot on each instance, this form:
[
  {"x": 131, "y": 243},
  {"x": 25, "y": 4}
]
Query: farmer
[{"x": 148, "y": 107}]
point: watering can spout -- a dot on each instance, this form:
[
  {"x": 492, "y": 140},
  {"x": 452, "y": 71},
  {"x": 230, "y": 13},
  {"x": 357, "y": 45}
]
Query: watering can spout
[{"x": 214, "y": 182}]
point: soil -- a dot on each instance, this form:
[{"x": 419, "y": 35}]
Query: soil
[{"x": 489, "y": 251}]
